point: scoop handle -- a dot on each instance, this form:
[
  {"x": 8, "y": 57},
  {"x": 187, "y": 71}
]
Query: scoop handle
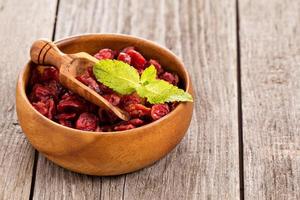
[{"x": 45, "y": 52}]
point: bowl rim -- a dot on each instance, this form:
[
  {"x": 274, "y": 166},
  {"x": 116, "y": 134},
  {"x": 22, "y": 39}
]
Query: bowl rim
[{"x": 179, "y": 107}]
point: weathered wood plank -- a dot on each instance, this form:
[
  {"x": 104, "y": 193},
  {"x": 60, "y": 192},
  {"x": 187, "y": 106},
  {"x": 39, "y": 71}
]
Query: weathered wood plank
[
  {"x": 206, "y": 163},
  {"x": 270, "y": 67},
  {"x": 21, "y": 22}
]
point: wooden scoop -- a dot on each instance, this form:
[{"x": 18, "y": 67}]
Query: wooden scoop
[{"x": 45, "y": 52}]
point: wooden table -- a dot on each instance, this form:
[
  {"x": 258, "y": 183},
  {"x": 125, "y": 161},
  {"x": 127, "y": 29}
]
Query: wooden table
[{"x": 244, "y": 59}]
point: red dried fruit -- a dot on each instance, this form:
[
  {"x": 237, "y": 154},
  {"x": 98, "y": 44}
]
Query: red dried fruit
[
  {"x": 66, "y": 119},
  {"x": 169, "y": 77},
  {"x": 137, "y": 110},
  {"x": 131, "y": 99},
  {"x": 104, "y": 89},
  {"x": 67, "y": 123},
  {"x": 159, "y": 110},
  {"x": 40, "y": 93},
  {"x": 105, "y": 54},
  {"x": 123, "y": 127},
  {"x": 87, "y": 122},
  {"x": 137, "y": 60},
  {"x": 51, "y": 108},
  {"x": 88, "y": 79},
  {"x": 72, "y": 105},
  {"x": 136, "y": 122},
  {"x": 125, "y": 50},
  {"x": 157, "y": 66},
  {"x": 114, "y": 99},
  {"x": 49, "y": 73},
  {"x": 66, "y": 116},
  {"x": 46, "y": 108},
  {"x": 124, "y": 57},
  {"x": 41, "y": 107}
]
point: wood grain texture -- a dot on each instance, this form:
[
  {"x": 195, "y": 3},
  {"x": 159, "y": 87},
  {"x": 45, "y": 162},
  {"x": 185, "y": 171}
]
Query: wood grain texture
[
  {"x": 206, "y": 164},
  {"x": 270, "y": 57},
  {"x": 20, "y": 23}
]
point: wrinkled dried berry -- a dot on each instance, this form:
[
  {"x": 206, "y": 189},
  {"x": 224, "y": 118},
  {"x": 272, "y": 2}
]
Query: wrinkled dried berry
[
  {"x": 159, "y": 110},
  {"x": 105, "y": 54},
  {"x": 123, "y": 127},
  {"x": 49, "y": 73},
  {"x": 125, "y": 50},
  {"x": 87, "y": 80},
  {"x": 124, "y": 57},
  {"x": 157, "y": 66},
  {"x": 169, "y": 77},
  {"x": 131, "y": 99},
  {"x": 87, "y": 122},
  {"x": 46, "y": 108},
  {"x": 137, "y": 60},
  {"x": 137, "y": 110},
  {"x": 114, "y": 99},
  {"x": 71, "y": 105}
]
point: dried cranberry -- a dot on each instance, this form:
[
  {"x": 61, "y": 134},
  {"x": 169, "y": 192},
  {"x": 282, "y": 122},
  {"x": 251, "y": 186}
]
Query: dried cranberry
[
  {"x": 125, "y": 50},
  {"x": 105, "y": 54},
  {"x": 169, "y": 77},
  {"x": 46, "y": 108},
  {"x": 87, "y": 122},
  {"x": 124, "y": 57},
  {"x": 137, "y": 110},
  {"x": 137, "y": 60},
  {"x": 156, "y": 64},
  {"x": 71, "y": 105},
  {"x": 114, "y": 99},
  {"x": 89, "y": 81},
  {"x": 49, "y": 73},
  {"x": 51, "y": 108},
  {"x": 136, "y": 122},
  {"x": 104, "y": 89},
  {"x": 66, "y": 116},
  {"x": 55, "y": 88},
  {"x": 131, "y": 99},
  {"x": 41, "y": 107},
  {"x": 40, "y": 93},
  {"x": 123, "y": 127},
  {"x": 67, "y": 123},
  {"x": 159, "y": 110}
]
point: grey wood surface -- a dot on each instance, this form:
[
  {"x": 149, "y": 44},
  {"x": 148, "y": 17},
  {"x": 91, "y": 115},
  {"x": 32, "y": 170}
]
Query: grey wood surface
[
  {"x": 270, "y": 75},
  {"x": 206, "y": 161},
  {"x": 244, "y": 59},
  {"x": 21, "y": 22}
]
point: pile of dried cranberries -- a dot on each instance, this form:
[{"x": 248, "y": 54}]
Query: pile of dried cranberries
[{"x": 59, "y": 104}]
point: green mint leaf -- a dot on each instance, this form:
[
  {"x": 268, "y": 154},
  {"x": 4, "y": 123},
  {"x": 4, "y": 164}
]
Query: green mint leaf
[
  {"x": 148, "y": 75},
  {"x": 159, "y": 91},
  {"x": 117, "y": 75},
  {"x": 125, "y": 79}
]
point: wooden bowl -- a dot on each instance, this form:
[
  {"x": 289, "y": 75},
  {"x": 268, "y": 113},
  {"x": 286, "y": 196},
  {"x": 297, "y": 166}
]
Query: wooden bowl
[{"x": 106, "y": 153}]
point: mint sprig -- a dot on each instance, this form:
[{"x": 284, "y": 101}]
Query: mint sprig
[{"x": 124, "y": 79}]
